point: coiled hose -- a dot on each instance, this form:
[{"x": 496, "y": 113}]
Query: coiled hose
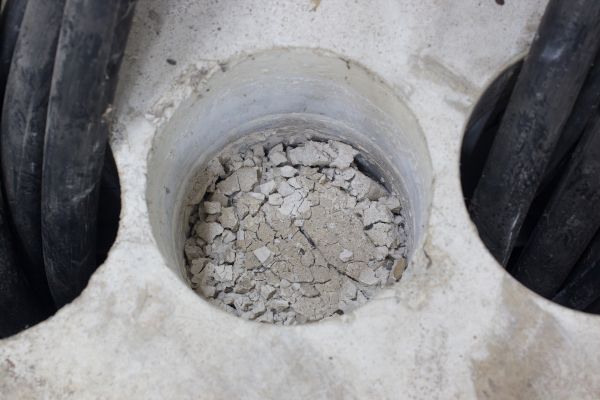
[{"x": 54, "y": 156}]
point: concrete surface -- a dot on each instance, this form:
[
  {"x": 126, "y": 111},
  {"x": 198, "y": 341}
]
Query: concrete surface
[{"x": 456, "y": 326}]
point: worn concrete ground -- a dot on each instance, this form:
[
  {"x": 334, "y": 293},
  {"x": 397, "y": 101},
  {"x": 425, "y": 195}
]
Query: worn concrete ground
[{"x": 456, "y": 326}]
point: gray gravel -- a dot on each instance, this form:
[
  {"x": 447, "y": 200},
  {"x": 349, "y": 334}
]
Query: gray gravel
[{"x": 293, "y": 234}]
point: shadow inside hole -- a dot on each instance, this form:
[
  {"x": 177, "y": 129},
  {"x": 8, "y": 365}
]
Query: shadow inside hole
[{"x": 478, "y": 139}]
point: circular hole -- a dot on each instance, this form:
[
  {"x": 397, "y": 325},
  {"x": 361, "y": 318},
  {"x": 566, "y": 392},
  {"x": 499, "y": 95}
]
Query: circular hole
[
  {"x": 19, "y": 315},
  {"x": 304, "y": 102},
  {"x": 478, "y": 139}
]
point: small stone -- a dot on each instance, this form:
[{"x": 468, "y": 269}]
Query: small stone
[
  {"x": 381, "y": 234},
  {"x": 392, "y": 203},
  {"x": 287, "y": 171},
  {"x": 377, "y": 213},
  {"x": 209, "y": 230},
  {"x": 258, "y": 151},
  {"x": 229, "y": 256},
  {"x": 275, "y": 199},
  {"x": 208, "y": 291},
  {"x": 277, "y": 305},
  {"x": 267, "y": 188},
  {"x": 267, "y": 291},
  {"x": 257, "y": 310},
  {"x": 224, "y": 273},
  {"x": 247, "y": 178},
  {"x": 285, "y": 283},
  {"x": 262, "y": 254},
  {"x": 192, "y": 251},
  {"x": 276, "y": 155},
  {"x": 364, "y": 187},
  {"x": 285, "y": 189},
  {"x": 229, "y": 185},
  {"x": 228, "y": 218},
  {"x": 244, "y": 284},
  {"x": 228, "y": 236},
  {"x": 308, "y": 290},
  {"x": 398, "y": 269},
  {"x": 345, "y": 154},
  {"x": 215, "y": 168},
  {"x": 346, "y": 255},
  {"x": 295, "y": 183},
  {"x": 381, "y": 252},
  {"x": 219, "y": 197},
  {"x": 367, "y": 277},
  {"x": 212, "y": 207},
  {"x": 291, "y": 203},
  {"x": 348, "y": 174},
  {"x": 311, "y": 154},
  {"x": 198, "y": 265},
  {"x": 349, "y": 290}
]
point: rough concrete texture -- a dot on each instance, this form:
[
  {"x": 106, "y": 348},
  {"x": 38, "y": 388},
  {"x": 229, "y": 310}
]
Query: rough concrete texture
[
  {"x": 303, "y": 235},
  {"x": 456, "y": 326}
]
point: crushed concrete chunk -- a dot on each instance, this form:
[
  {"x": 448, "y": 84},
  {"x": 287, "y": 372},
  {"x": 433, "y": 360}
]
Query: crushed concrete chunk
[
  {"x": 229, "y": 185},
  {"x": 262, "y": 254},
  {"x": 346, "y": 255},
  {"x": 224, "y": 273},
  {"x": 192, "y": 250},
  {"x": 276, "y": 155},
  {"x": 381, "y": 234},
  {"x": 228, "y": 219},
  {"x": 311, "y": 154},
  {"x": 278, "y": 305},
  {"x": 293, "y": 237},
  {"x": 228, "y": 236},
  {"x": 287, "y": 171},
  {"x": 344, "y": 154},
  {"x": 377, "y": 213},
  {"x": 276, "y": 199},
  {"x": 285, "y": 189},
  {"x": 364, "y": 187},
  {"x": 209, "y": 230},
  {"x": 212, "y": 207},
  {"x": 247, "y": 178},
  {"x": 367, "y": 277},
  {"x": 392, "y": 203},
  {"x": 267, "y": 188},
  {"x": 267, "y": 291}
]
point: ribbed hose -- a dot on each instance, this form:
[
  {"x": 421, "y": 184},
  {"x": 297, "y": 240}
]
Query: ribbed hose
[
  {"x": 548, "y": 85},
  {"x": 19, "y": 308},
  {"x": 76, "y": 138},
  {"x": 23, "y": 127},
  {"x": 583, "y": 287},
  {"x": 10, "y": 23},
  {"x": 568, "y": 223}
]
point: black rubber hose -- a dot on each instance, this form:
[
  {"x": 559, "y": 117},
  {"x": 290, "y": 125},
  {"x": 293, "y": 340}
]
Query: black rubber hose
[
  {"x": 23, "y": 127},
  {"x": 76, "y": 139},
  {"x": 109, "y": 207},
  {"x": 482, "y": 128},
  {"x": 19, "y": 308},
  {"x": 569, "y": 222},
  {"x": 551, "y": 78},
  {"x": 586, "y": 106},
  {"x": 10, "y": 24},
  {"x": 583, "y": 286}
]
